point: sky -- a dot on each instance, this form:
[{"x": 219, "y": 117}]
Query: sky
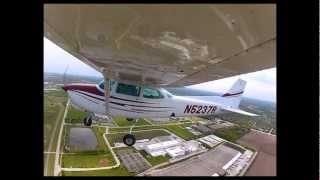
[{"x": 260, "y": 85}]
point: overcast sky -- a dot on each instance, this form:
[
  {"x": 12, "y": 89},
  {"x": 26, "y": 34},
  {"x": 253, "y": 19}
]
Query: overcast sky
[{"x": 260, "y": 85}]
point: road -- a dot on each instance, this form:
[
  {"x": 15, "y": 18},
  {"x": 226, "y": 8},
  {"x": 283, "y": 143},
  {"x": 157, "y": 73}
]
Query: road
[
  {"x": 57, "y": 168},
  {"x": 52, "y": 138}
]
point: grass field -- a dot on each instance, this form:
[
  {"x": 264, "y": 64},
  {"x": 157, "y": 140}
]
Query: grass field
[
  {"x": 122, "y": 121},
  {"x": 99, "y": 131},
  {"x": 180, "y": 131},
  {"x": 53, "y": 111},
  {"x": 87, "y": 160},
  {"x": 154, "y": 160},
  {"x": 231, "y": 134},
  {"x": 58, "y": 93},
  {"x": 50, "y": 117},
  {"x": 50, "y": 165},
  {"x": 113, "y": 138},
  {"x": 125, "y": 129},
  {"x": 54, "y": 105},
  {"x": 75, "y": 116},
  {"x": 119, "y": 171}
]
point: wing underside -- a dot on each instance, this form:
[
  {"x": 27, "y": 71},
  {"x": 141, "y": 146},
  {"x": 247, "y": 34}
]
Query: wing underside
[{"x": 166, "y": 45}]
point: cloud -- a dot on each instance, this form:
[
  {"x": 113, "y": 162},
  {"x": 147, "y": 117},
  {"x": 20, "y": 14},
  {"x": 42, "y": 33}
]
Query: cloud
[
  {"x": 260, "y": 85},
  {"x": 57, "y": 59}
]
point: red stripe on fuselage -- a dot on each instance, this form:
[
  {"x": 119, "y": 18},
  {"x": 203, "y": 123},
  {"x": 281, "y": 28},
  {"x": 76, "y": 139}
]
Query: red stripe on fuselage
[
  {"x": 86, "y": 88},
  {"x": 228, "y": 94}
]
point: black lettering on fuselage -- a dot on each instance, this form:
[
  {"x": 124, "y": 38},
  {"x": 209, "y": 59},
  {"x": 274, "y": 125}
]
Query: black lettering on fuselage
[
  {"x": 188, "y": 108},
  {"x": 200, "y": 109}
]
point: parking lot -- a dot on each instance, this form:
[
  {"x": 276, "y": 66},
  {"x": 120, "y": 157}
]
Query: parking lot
[
  {"x": 205, "y": 164},
  {"x": 133, "y": 161}
]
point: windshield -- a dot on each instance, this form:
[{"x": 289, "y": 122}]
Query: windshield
[
  {"x": 101, "y": 85},
  {"x": 112, "y": 82}
]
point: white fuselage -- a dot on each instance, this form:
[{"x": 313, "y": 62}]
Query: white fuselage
[{"x": 140, "y": 107}]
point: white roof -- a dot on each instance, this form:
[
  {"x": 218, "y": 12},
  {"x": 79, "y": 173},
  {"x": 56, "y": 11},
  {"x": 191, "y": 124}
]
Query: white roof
[
  {"x": 158, "y": 152},
  {"x": 175, "y": 151},
  {"x": 162, "y": 144},
  {"x": 142, "y": 140}
]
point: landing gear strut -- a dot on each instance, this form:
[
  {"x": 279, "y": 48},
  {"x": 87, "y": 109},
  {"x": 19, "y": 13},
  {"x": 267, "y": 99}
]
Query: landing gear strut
[
  {"x": 87, "y": 121},
  {"x": 129, "y": 139}
]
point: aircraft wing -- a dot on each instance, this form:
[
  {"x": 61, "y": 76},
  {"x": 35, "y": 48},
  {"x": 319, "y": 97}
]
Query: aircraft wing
[
  {"x": 239, "y": 111},
  {"x": 166, "y": 45}
]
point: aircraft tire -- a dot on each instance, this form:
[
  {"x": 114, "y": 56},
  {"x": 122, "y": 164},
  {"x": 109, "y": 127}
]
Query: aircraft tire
[
  {"x": 87, "y": 121},
  {"x": 130, "y": 119},
  {"x": 129, "y": 139}
]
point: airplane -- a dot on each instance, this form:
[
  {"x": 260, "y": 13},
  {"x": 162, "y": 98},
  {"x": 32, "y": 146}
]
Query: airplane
[
  {"x": 142, "y": 49},
  {"x": 136, "y": 102}
]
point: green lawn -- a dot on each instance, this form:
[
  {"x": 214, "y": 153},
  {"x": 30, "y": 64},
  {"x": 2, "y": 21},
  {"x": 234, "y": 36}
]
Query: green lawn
[
  {"x": 180, "y": 131},
  {"x": 50, "y": 117},
  {"x": 75, "y": 116},
  {"x": 53, "y": 112},
  {"x": 154, "y": 160},
  {"x": 119, "y": 171},
  {"x": 125, "y": 129},
  {"x": 114, "y": 130},
  {"x": 122, "y": 121},
  {"x": 162, "y": 126},
  {"x": 187, "y": 124},
  {"x": 59, "y": 93},
  {"x": 99, "y": 131},
  {"x": 113, "y": 138},
  {"x": 54, "y": 105},
  {"x": 146, "y": 128},
  {"x": 231, "y": 134},
  {"x": 50, "y": 167},
  {"x": 87, "y": 160}
]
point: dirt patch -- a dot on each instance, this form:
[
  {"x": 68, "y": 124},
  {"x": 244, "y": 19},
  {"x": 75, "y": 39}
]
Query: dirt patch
[{"x": 265, "y": 145}]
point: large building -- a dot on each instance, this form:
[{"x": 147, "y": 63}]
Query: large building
[
  {"x": 170, "y": 145},
  {"x": 210, "y": 140},
  {"x": 157, "y": 146}
]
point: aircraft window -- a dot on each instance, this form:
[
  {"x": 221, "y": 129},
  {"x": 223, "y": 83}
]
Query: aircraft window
[
  {"x": 128, "y": 89},
  {"x": 151, "y": 93},
  {"x": 101, "y": 85},
  {"x": 112, "y": 82}
]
